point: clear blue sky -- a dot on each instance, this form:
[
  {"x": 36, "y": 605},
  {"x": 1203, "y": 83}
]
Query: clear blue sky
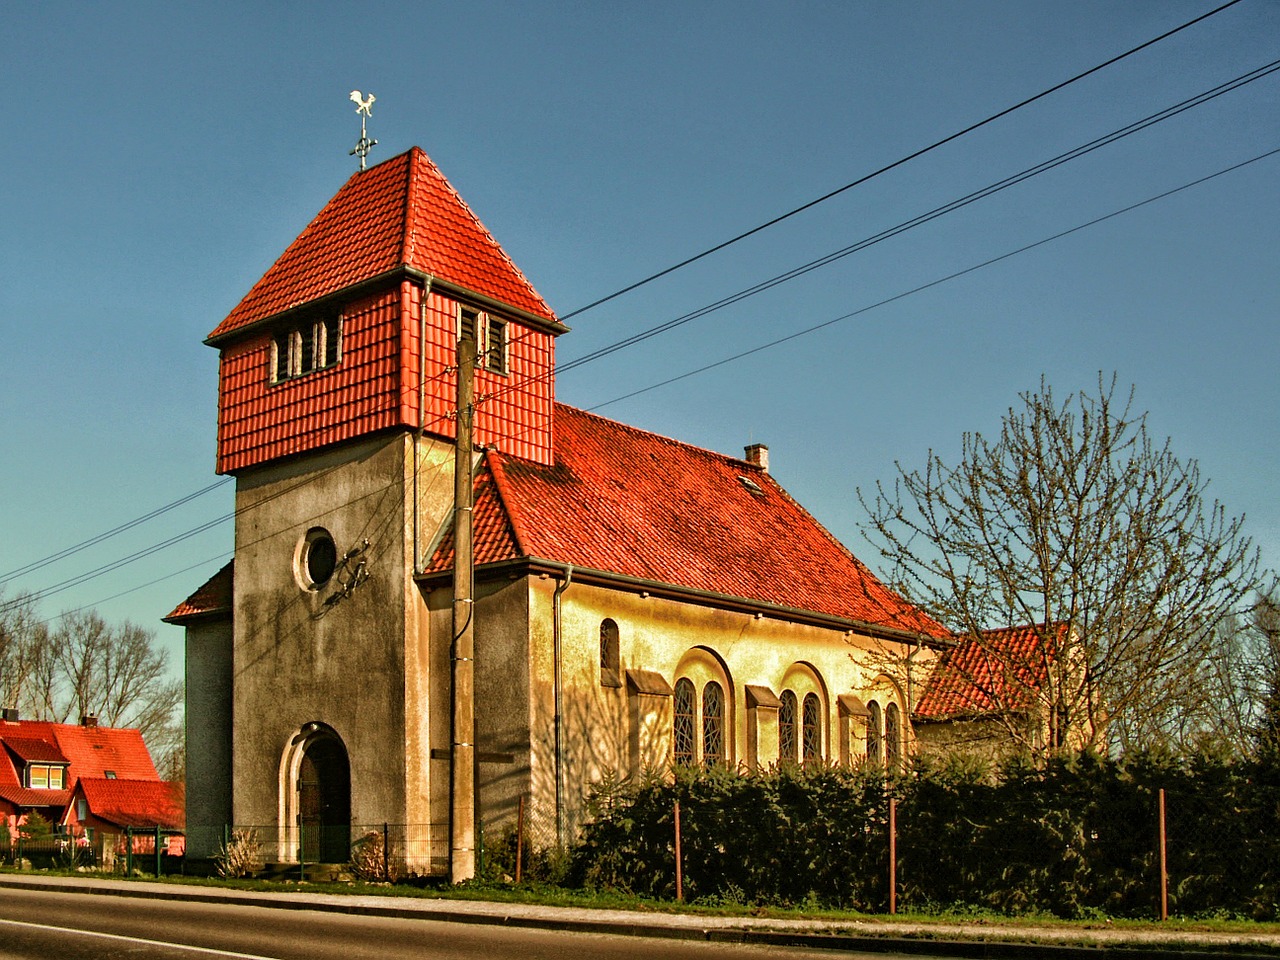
[{"x": 161, "y": 156}]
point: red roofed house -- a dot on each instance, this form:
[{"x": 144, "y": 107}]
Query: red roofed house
[
  {"x": 993, "y": 692},
  {"x": 43, "y": 764},
  {"x": 638, "y": 600}
]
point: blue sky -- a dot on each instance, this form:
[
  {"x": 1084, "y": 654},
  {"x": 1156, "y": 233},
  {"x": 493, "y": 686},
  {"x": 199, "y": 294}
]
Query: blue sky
[{"x": 162, "y": 155}]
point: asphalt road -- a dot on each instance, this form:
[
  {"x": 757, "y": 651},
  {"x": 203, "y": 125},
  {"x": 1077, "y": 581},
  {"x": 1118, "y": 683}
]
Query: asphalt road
[{"x": 89, "y": 927}]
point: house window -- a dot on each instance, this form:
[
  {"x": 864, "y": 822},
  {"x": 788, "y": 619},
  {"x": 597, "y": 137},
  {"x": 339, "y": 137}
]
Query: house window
[
  {"x": 306, "y": 346},
  {"x": 610, "y": 657},
  {"x": 788, "y": 745},
  {"x": 875, "y": 729},
  {"x": 44, "y": 776},
  {"x": 495, "y": 346},
  {"x": 683, "y": 722},
  {"x": 712, "y": 724},
  {"x": 82, "y": 809},
  {"x": 109, "y": 774},
  {"x": 892, "y": 737},
  {"x": 812, "y": 728}
]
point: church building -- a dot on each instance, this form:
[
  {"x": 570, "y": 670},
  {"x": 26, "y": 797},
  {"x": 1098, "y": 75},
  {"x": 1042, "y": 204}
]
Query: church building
[{"x": 638, "y": 601}]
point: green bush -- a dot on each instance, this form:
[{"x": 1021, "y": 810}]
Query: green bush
[{"x": 1075, "y": 836}]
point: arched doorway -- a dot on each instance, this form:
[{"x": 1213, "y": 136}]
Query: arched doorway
[{"x": 324, "y": 799}]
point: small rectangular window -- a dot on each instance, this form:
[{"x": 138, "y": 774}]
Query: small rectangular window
[
  {"x": 82, "y": 809},
  {"x": 306, "y": 349},
  {"x": 56, "y": 778},
  {"x": 280, "y": 357},
  {"x": 468, "y": 324},
  {"x": 495, "y": 353},
  {"x": 38, "y": 777},
  {"x": 109, "y": 774},
  {"x": 332, "y": 339}
]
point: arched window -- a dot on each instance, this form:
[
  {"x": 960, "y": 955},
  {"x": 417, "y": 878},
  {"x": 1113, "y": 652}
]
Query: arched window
[
  {"x": 788, "y": 745},
  {"x": 610, "y": 658},
  {"x": 712, "y": 724},
  {"x": 812, "y": 728},
  {"x": 892, "y": 737},
  {"x": 875, "y": 732},
  {"x": 683, "y": 722}
]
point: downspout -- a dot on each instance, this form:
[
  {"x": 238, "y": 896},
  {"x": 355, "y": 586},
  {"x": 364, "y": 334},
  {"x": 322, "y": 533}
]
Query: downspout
[
  {"x": 556, "y": 627},
  {"x": 422, "y": 418}
]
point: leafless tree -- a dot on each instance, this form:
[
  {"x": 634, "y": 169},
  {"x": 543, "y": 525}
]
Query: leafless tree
[
  {"x": 1075, "y": 519},
  {"x": 84, "y": 666},
  {"x": 22, "y": 642}
]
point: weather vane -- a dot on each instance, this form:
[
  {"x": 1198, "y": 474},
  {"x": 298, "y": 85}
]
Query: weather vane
[{"x": 364, "y": 107}]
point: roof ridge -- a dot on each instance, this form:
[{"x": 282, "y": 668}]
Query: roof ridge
[
  {"x": 502, "y": 251},
  {"x": 493, "y": 461},
  {"x": 705, "y": 451},
  {"x": 408, "y": 235}
]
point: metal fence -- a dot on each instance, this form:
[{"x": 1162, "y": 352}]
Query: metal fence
[{"x": 124, "y": 851}]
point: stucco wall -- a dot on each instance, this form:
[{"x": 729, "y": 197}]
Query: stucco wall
[
  {"x": 208, "y": 674},
  {"x": 315, "y": 656}
]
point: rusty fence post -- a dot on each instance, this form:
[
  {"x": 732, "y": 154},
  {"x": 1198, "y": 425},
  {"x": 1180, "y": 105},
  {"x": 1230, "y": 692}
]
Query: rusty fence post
[
  {"x": 893, "y": 855},
  {"x": 679, "y": 859},
  {"x": 1164, "y": 863},
  {"x": 520, "y": 839}
]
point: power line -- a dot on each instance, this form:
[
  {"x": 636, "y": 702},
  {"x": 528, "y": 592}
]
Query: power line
[
  {"x": 93, "y": 541},
  {"x": 934, "y": 283},
  {"x": 897, "y": 163},
  {"x": 1026, "y": 174}
]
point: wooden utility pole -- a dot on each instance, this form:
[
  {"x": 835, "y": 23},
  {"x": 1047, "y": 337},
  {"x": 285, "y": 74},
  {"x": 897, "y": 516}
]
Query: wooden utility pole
[{"x": 462, "y": 794}]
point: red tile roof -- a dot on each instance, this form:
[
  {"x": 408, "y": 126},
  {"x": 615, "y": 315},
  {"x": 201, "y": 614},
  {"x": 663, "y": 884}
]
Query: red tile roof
[
  {"x": 997, "y": 671},
  {"x": 135, "y": 803},
  {"x": 89, "y": 751},
  {"x": 400, "y": 213},
  {"x": 211, "y": 599},
  {"x": 24, "y": 797},
  {"x": 632, "y": 503}
]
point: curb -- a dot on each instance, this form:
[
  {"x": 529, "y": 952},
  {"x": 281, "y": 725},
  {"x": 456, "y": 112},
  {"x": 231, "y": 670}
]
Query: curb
[{"x": 963, "y": 949}]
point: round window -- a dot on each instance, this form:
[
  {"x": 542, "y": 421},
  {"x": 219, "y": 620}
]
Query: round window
[{"x": 319, "y": 558}]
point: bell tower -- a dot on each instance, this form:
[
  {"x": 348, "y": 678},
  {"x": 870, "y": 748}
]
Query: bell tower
[{"x": 336, "y": 415}]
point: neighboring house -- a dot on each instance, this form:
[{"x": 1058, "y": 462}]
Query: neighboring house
[
  {"x": 42, "y": 765},
  {"x": 103, "y": 807},
  {"x": 990, "y": 694},
  {"x": 638, "y": 600}
]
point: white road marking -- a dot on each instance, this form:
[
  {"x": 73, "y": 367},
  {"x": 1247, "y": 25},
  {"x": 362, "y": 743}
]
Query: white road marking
[{"x": 153, "y": 943}]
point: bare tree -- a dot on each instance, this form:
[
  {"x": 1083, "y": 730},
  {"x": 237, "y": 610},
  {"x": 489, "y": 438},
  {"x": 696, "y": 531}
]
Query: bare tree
[
  {"x": 1074, "y": 520},
  {"x": 87, "y": 667},
  {"x": 22, "y": 642}
]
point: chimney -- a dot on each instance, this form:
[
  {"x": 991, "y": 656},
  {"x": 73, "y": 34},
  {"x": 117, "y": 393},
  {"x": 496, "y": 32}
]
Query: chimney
[
  {"x": 758, "y": 454},
  {"x": 88, "y": 720},
  {"x": 10, "y": 715}
]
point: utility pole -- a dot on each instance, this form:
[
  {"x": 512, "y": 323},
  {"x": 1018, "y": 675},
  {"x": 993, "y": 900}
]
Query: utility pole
[{"x": 462, "y": 795}]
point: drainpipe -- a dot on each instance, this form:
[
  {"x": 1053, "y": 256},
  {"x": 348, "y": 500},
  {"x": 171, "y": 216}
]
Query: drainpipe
[
  {"x": 556, "y": 627},
  {"x": 422, "y": 417}
]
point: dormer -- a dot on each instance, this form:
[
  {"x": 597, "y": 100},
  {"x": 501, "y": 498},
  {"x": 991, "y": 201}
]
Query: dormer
[
  {"x": 39, "y": 764},
  {"x": 353, "y": 330}
]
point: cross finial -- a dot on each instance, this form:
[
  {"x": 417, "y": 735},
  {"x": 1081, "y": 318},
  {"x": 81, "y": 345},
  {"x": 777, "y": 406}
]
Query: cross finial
[{"x": 364, "y": 107}]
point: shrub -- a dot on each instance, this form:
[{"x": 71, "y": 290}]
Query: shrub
[{"x": 240, "y": 855}]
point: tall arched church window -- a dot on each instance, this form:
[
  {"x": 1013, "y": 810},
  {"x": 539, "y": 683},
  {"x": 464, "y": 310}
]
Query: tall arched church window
[
  {"x": 610, "y": 655},
  {"x": 712, "y": 724},
  {"x": 875, "y": 732},
  {"x": 788, "y": 744},
  {"x": 812, "y": 728},
  {"x": 892, "y": 736},
  {"x": 682, "y": 710}
]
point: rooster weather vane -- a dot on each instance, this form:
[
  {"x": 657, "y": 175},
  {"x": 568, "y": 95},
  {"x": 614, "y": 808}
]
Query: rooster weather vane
[{"x": 364, "y": 107}]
